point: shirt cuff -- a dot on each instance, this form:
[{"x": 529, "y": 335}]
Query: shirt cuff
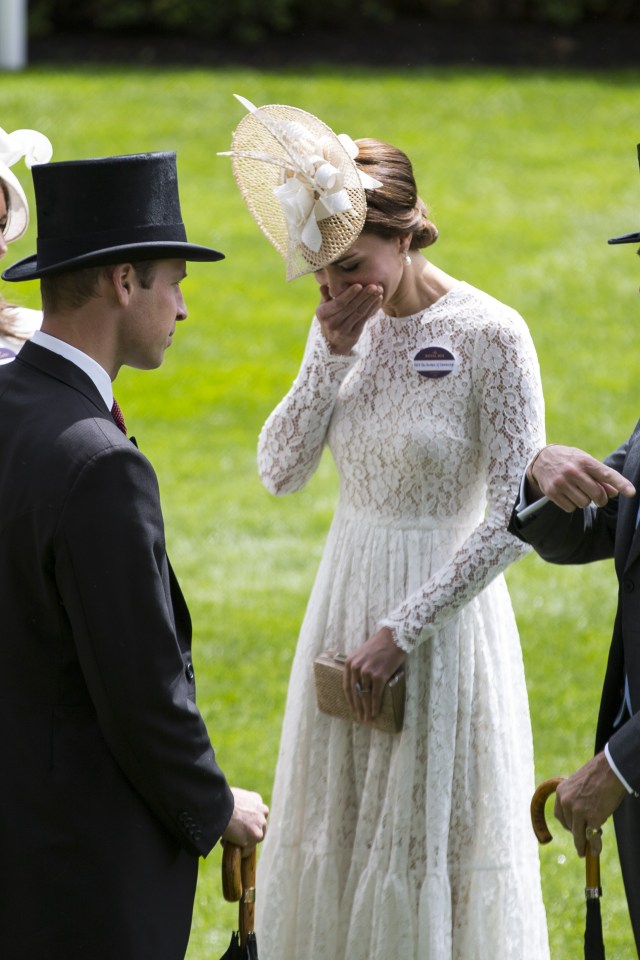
[
  {"x": 524, "y": 509},
  {"x": 616, "y": 771}
]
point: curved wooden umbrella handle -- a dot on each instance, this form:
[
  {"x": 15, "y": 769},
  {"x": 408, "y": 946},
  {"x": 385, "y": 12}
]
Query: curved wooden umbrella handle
[
  {"x": 246, "y": 919},
  {"x": 231, "y": 873},
  {"x": 239, "y": 883},
  {"x": 540, "y": 797}
]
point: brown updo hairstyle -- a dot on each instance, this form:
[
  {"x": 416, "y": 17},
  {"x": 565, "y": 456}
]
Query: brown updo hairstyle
[{"x": 395, "y": 208}]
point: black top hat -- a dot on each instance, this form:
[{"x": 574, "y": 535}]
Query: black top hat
[
  {"x": 628, "y": 237},
  {"x": 93, "y": 212}
]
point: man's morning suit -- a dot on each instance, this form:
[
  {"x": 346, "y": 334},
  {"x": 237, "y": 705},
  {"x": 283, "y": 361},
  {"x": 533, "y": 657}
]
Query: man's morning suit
[
  {"x": 595, "y": 534},
  {"x": 110, "y": 789}
]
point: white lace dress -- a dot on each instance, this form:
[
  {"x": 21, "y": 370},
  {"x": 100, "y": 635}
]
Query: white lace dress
[{"x": 416, "y": 845}]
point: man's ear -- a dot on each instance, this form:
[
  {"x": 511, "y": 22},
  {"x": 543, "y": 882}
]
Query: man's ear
[{"x": 122, "y": 277}]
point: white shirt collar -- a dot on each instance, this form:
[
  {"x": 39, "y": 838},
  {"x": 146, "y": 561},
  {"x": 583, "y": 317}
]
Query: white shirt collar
[{"x": 91, "y": 367}]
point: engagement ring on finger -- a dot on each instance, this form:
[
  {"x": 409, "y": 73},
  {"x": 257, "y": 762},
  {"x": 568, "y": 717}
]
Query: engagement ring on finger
[
  {"x": 592, "y": 832},
  {"x": 361, "y": 690}
]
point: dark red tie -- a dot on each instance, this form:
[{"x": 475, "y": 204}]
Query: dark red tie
[{"x": 116, "y": 413}]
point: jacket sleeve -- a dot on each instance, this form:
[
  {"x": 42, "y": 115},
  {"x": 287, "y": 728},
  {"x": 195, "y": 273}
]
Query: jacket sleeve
[
  {"x": 624, "y": 747},
  {"x": 113, "y": 577},
  {"x": 582, "y": 536}
]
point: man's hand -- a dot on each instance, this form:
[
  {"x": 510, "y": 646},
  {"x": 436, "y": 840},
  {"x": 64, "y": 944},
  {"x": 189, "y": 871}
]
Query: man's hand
[
  {"x": 248, "y": 823},
  {"x": 572, "y": 479},
  {"x": 368, "y": 669},
  {"x": 587, "y": 799},
  {"x": 343, "y": 318}
]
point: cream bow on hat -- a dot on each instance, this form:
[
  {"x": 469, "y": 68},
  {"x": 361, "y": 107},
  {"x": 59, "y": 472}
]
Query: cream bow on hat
[
  {"x": 35, "y": 148},
  {"x": 300, "y": 183}
]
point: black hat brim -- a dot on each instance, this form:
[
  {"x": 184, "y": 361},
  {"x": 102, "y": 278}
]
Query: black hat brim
[
  {"x": 626, "y": 238},
  {"x": 27, "y": 269}
]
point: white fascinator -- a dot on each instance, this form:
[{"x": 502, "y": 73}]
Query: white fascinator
[
  {"x": 301, "y": 184},
  {"x": 35, "y": 148}
]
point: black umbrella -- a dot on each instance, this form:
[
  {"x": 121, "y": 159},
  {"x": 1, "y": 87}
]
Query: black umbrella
[
  {"x": 239, "y": 884},
  {"x": 593, "y": 942}
]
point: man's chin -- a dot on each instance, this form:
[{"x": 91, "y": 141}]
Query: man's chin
[{"x": 146, "y": 364}]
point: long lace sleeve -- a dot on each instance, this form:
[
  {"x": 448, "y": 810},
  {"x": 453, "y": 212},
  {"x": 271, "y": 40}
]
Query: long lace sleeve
[
  {"x": 292, "y": 439},
  {"x": 509, "y": 395}
]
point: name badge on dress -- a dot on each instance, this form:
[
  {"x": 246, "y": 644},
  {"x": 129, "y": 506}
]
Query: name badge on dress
[{"x": 434, "y": 362}]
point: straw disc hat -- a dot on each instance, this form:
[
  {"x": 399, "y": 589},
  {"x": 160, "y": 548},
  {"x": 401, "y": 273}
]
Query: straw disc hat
[{"x": 300, "y": 183}]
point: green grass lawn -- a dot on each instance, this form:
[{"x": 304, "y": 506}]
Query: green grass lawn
[{"x": 527, "y": 174}]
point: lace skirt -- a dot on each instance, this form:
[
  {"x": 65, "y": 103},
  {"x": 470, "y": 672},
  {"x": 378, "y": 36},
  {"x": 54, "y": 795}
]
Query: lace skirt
[{"x": 416, "y": 845}]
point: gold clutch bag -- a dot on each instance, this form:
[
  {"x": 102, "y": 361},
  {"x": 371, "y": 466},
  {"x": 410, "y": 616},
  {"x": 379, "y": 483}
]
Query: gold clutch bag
[{"x": 328, "y": 670}]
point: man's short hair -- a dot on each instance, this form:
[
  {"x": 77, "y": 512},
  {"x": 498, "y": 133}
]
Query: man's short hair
[{"x": 70, "y": 291}]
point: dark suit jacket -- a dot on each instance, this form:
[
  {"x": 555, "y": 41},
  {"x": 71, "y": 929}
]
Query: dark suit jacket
[
  {"x": 110, "y": 789},
  {"x": 595, "y": 534}
]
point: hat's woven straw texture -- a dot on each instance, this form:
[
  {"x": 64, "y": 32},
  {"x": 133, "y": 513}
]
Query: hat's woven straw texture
[{"x": 281, "y": 157}]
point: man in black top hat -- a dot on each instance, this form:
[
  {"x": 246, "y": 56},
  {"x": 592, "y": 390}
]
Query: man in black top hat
[
  {"x": 571, "y": 512},
  {"x": 110, "y": 787}
]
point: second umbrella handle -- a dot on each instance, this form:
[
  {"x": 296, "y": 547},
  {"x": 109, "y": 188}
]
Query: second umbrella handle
[{"x": 593, "y": 889}]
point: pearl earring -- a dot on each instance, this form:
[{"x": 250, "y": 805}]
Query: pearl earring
[{"x": 406, "y": 258}]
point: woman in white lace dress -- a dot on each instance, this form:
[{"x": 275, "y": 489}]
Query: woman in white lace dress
[
  {"x": 427, "y": 393},
  {"x": 17, "y": 324}
]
